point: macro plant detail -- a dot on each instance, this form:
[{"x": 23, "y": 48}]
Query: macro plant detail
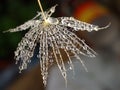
[{"x": 52, "y": 35}]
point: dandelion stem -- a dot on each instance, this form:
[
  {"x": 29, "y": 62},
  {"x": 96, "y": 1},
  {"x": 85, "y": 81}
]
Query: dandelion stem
[{"x": 39, "y": 2}]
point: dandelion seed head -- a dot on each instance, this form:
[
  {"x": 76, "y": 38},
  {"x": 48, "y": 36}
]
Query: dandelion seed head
[{"x": 53, "y": 36}]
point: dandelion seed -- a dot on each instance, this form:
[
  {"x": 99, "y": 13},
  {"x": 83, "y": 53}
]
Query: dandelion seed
[{"x": 52, "y": 34}]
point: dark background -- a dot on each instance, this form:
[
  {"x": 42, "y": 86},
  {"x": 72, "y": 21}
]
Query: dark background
[{"x": 16, "y": 12}]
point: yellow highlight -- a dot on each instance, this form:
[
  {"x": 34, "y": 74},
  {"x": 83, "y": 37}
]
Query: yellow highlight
[{"x": 45, "y": 23}]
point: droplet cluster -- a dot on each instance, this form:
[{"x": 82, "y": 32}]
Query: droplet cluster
[{"x": 53, "y": 39}]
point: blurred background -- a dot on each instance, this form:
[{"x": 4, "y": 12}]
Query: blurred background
[{"x": 103, "y": 72}]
